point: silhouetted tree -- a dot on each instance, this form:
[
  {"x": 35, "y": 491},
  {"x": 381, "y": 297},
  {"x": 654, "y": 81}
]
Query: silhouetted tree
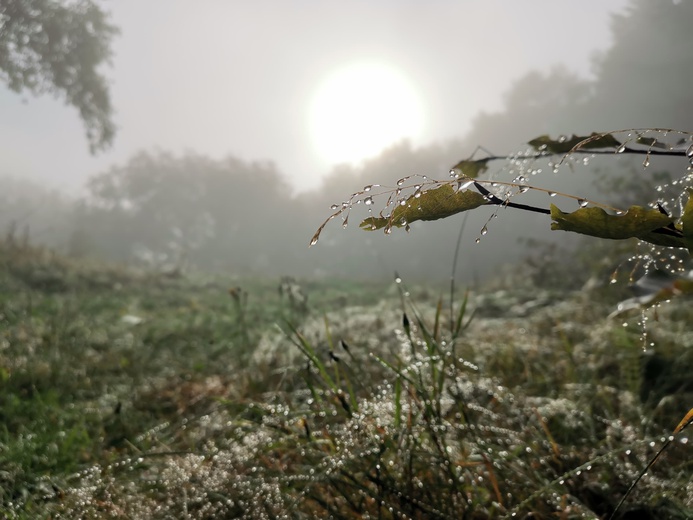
[
  {"x": 225, "y": 213},
  {"x": 50, "y": 46}
]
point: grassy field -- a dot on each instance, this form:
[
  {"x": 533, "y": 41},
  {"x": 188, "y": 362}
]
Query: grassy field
[{"x": 127, "y": 394}]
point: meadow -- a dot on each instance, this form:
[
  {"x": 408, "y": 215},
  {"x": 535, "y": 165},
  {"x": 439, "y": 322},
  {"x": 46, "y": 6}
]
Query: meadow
[{"x": 133, "y": 394}]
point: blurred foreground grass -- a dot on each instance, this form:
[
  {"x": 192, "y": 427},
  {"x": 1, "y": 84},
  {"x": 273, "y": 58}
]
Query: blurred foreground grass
[{"x": 126, "y": 394}]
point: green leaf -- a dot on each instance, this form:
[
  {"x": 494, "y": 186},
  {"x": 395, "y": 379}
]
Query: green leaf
[
  {"x": 687, "y": 222},
  {"x": 593, "y": 141},
  {"x": 433, "y": 204},
  {"x": 637, "y": 222},
  {"x": 472, "y": 169}
]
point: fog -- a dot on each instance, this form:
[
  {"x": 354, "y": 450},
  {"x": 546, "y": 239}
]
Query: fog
[{"x": 214, "y": 103}]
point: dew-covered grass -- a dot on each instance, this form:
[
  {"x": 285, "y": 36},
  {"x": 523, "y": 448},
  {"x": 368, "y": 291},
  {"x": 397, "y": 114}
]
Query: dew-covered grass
[{"x": 128, "y": 394}]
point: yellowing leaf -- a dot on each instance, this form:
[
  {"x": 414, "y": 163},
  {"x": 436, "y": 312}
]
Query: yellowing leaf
[
  {"x": 433, "y": 204},
  {"x": 472, "y": 169},
  {"x": 688, "y": 419},
  {"x": 593, "y": 141},
  {"x": 637, "y": 222}
]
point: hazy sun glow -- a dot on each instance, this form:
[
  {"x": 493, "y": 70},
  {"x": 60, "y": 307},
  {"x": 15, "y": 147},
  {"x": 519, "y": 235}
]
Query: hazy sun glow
[{"x": 361, "y": 109}]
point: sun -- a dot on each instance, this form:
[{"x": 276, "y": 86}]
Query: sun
[{"x": 360, "y": 109}]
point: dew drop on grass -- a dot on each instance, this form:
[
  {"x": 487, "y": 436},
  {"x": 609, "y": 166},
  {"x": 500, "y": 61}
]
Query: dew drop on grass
[
  {"x": 477, "y": 240},
  {"x": 368, "y": 201},
  {"x": 484, "y": 230},
  {"x": 368, "y": 188},
  {"x": 646, "y": 162},
  {"x": 524, "y": 189},
  {"x": 621, "y": 149},
  {"x": 334, "y": 206},
  {"x": 582, "y": 203},
  {"x": 552, "y": 193},
  {"x": 400, "y": 182},
  {"x": 313, "y": 241}
]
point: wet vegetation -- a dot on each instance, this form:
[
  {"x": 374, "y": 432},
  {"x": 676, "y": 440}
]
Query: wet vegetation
[
  {"x": 128, "y": 394},
  {"x": 169, "y": 348}
]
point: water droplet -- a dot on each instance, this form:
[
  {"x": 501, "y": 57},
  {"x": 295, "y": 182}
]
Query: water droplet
[
  {"x": 582, "y": 203},
  {"x": 400, "y": 182},
  {"x": 368, "y": 201},
  {"x": 477, "y": 240},
  {"x": 484, "y": 230},
  {"x": 313, "y": 241},
  {"x": 402, "y": 202},
  {"x": 552, "y": 194},
  {"x": 334, "y": 206},
  {"x": 398, "y": 279},
  {"x": 524, "y": 189},
  {"x": 646, "y": 162},
  {"x": 346, "y": 222},
  {"x": 621, "y": 149},
  {"x": 368, "y": 188},
  {"x": 562, "y": 138},
  {"x": 407, "y": 227}
]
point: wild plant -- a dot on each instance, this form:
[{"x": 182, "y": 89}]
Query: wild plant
[{"x": 665, "y": 226}]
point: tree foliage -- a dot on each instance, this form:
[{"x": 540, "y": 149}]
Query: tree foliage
[
  {"x": 466, "y": 191},
  {"x": 58, "y": 47},
  {"x": 191, "y": 206}
]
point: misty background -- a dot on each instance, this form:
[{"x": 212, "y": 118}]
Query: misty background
[{"x": 217, "y": 162}]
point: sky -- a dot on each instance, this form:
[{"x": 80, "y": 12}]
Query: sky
[{"x": 305, "y": 84}]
